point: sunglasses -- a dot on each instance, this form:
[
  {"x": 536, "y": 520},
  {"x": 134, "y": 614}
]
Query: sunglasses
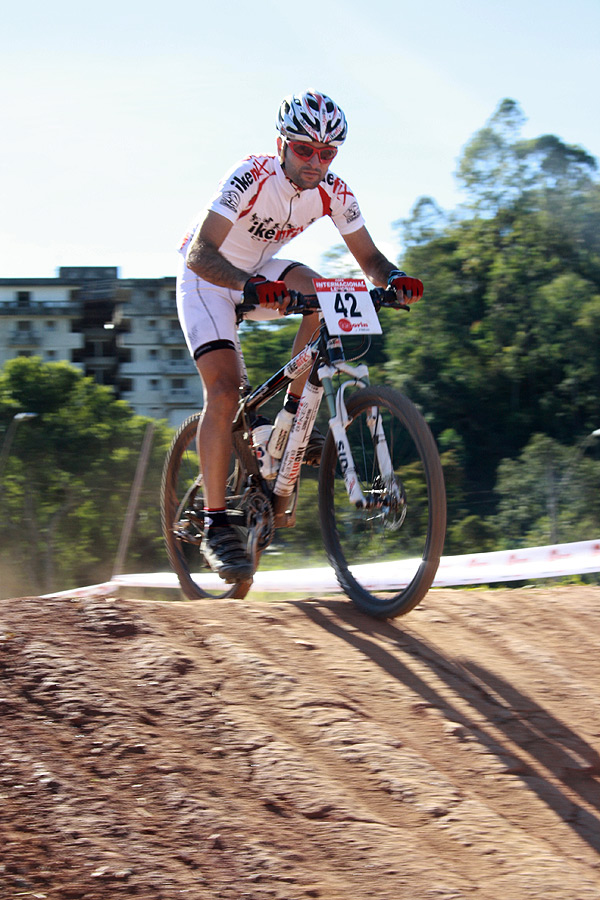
[{"x": 307, "y": 151}]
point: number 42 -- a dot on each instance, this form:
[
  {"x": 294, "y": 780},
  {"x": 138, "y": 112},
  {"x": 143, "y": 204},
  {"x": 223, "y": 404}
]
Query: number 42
[{"x": 341, "y": 306}]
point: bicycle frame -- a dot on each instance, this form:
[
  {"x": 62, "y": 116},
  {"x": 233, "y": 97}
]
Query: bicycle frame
[{"x": 325, "y": 357}]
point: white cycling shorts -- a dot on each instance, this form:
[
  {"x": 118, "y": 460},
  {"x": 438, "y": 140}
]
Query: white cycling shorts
[{"x": 208, "y": 313}]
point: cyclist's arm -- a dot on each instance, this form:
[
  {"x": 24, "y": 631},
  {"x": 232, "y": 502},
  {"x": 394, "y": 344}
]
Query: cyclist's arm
[
  {"x": 371, "y": 260},
  {"x": 204, "y": 258}
]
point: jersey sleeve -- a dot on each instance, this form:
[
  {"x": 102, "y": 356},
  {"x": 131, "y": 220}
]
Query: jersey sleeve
[
  {"x": 237, "y": 187},
  {"x": 344, "y": 209}
]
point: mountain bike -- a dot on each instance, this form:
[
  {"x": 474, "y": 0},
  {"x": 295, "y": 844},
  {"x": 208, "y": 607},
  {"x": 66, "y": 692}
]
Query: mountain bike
[{"x": 381, "y": 494}]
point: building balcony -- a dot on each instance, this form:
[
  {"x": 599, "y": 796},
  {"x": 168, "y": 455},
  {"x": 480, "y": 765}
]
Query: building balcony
[
  {"x": 179, "y": 367},
  {"x": 46, "y": 309},
  {"x": 97, "y": 363},
  {"x": 24, "y": 338}
]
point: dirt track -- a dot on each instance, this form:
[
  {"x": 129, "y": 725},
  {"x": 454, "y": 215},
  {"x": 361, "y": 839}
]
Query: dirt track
[{"x": 300, "y": 750}]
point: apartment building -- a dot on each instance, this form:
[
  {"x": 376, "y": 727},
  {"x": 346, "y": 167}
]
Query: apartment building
[
  {"x": 122, "y": 332},
  {"x": 156, "y": 374}
]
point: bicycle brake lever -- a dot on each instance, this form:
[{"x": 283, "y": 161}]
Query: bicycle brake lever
[
  {"x": 388, "y": 299},
  {"x": 303, "y": 304}
]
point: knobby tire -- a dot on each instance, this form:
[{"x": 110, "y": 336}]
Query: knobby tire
[
  {"x": 412, "y": 533},
  {"x": 180, "y": 470}
]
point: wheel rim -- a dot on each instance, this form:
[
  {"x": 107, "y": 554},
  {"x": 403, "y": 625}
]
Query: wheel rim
[
  {"x": 387, "y": 553},
  {"x": 183, "y": 519}
]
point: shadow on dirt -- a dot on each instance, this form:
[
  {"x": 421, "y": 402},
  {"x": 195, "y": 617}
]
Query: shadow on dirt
[{"x": 537, "y": 745}]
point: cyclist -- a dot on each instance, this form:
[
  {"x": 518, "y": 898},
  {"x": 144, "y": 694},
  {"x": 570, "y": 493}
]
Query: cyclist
[{"x": 229, "y": 255}]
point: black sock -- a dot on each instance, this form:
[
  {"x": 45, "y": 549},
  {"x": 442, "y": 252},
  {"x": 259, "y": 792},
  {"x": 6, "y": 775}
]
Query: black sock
[{"x": 215, "y": 518}]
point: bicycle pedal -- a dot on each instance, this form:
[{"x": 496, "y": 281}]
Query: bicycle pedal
[{"x": 183, "y": 532}]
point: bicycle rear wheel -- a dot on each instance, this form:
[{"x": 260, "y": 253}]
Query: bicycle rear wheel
[
  {"x": 385, "y": 555},
  {"x": 182, "y": 504}
]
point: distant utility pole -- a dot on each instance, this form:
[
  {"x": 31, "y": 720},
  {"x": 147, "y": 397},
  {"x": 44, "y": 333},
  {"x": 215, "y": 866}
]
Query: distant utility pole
[{"x": 134, "y": 499}]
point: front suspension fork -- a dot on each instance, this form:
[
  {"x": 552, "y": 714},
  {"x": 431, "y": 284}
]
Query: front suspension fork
[{"x": 339, "y": 420}]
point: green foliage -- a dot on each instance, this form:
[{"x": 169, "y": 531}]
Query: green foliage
[
  {"x": 499, "y": 170},
  {"x": 68, "y": 477},
  {"x": 548, "y": 494},
  {"x": 505, "y": 343},
  {"x": 267, "y": 347}
]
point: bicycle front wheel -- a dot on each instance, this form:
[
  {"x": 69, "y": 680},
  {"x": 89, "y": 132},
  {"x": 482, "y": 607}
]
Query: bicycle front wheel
[
  {"x": 385, "y": 554},
  {"x": 182, "y": 505}
]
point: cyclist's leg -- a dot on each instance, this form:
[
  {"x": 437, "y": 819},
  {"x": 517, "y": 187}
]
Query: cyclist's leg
[
  {"x": 297, "y": 277},
  {"x": 220, "y": 373},
  {"x": 207, "y": 315}
]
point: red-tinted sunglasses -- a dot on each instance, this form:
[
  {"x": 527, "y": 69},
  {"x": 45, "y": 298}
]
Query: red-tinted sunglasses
[{"x": 307, "y": 151}]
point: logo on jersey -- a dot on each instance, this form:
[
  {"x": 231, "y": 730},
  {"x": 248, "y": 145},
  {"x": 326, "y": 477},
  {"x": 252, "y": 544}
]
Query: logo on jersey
[
  {"x": 352, "y": 213},
  {"x": 338, "y": 187},
  {"x": 230, "y": 199},
  {"x": 269, "y": 230},
  {"x": 243, "y": 180}
]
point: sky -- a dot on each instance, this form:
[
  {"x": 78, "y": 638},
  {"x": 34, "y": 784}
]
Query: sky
[{"x": 119, "y": 118}]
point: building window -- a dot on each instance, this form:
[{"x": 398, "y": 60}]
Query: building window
[
  {"x": 155, "y": 384},
  {"x": 23, "y": 298},
  {"x": 51, "y": 325},
  {"x": 151, "y": 323},
  {"x": 50, "y": 354},
  {"x": 153, "y": 354}
]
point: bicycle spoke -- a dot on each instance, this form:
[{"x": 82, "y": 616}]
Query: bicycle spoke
[{"x": 386, "y": 553}]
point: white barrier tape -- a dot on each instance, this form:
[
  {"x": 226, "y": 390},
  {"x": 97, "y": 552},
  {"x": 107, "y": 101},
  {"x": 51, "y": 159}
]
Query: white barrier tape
[
  {"x": 92, "y": 590},
  {"x": 554, "y": 561}
]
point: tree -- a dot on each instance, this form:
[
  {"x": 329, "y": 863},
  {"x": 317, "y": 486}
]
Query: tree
[
  {"x": 549, "y": 494},
  {"x": 498, "y": 169},
  {"x": 68, "y": 476},
  {"x": 506, "y": 341}
]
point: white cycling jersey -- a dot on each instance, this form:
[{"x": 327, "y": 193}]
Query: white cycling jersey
[{"x": 267, "y": 210}]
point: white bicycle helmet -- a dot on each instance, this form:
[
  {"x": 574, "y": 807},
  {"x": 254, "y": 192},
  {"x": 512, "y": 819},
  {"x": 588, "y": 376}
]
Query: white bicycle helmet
[{"x": 312, "y": 116}]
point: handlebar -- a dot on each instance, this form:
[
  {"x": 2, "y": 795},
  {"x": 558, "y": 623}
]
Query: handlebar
[{"x": 305, "y": 304}]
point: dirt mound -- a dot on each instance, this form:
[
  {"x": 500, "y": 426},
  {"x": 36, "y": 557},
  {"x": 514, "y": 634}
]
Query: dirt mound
[{"x": 301, "y": 750}]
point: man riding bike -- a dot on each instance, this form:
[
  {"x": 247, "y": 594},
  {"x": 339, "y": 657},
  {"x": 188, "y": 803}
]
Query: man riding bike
[{"x": 228, "y": 256}]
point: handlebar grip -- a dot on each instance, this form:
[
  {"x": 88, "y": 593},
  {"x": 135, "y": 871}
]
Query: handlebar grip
[
  {"x": 302, "y": 303},
  {"x": 388, "y": 299}
]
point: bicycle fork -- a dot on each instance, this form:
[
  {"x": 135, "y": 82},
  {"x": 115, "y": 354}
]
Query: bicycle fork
[
  {"x": 319, "y": 383},
  {"x": 338, "y": 424}
]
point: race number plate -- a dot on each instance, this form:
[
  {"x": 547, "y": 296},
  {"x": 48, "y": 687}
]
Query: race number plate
[{"x": 347, "y": 306}]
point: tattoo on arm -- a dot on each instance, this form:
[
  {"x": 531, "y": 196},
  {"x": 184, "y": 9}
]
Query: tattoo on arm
[{"x": 206, "y": 261}]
